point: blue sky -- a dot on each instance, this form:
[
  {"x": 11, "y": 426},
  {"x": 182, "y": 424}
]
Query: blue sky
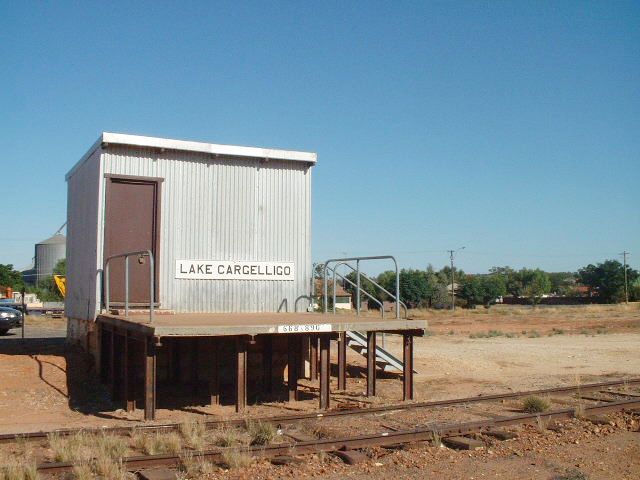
[{"x": 512, "y": 128}]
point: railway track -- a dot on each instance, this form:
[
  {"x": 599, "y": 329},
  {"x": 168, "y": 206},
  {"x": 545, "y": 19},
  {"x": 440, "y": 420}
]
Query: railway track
[
  {"x": 383, "y": 438},
  {"x": 607, "y": 399},
  {"x": 278, "y": 419}
]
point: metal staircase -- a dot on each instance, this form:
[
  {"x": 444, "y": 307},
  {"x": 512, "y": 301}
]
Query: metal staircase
[
  {"x": 385, "y": 361},
  {"x": 357, "y": 341}
]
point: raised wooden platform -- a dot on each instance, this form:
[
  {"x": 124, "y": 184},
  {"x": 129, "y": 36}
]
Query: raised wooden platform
[
  {"x": 227, "y": 324},
  {"x": 129, "y": 347}
]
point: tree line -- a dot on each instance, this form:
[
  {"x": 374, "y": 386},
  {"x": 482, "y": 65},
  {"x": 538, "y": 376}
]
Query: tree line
[
  {"x": 430, "y": 288},
  {"x": 45, "y": 289}
]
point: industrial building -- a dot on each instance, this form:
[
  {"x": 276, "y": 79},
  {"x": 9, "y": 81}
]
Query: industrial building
[{"x": 190, "y": 263}]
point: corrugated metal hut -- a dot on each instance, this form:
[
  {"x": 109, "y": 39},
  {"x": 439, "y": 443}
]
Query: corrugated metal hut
[{"x": 238, "y": 215}]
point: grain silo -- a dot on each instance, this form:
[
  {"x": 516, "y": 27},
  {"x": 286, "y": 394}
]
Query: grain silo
[{"x": 48, "y": 253}]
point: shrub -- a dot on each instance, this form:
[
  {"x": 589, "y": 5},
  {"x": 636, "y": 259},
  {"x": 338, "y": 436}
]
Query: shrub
[
  {"x": 261, "y": 433},
  {"x": 533, "y": 404}
]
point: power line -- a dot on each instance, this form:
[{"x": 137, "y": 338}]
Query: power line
[
  {"x": 626, "y": 284},
  {"x": 453, "y": 290}
]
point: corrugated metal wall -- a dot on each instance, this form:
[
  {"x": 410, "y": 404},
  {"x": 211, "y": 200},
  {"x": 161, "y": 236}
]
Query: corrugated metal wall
[
  {"x": 226, "y": 209},
  {"x": 83, "y": 214}
]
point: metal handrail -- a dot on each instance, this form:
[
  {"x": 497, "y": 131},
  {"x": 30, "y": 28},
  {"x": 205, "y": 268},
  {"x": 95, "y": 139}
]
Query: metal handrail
[
  {"x": 152, "y": 271},
  {"x": 402, "y": 304},
  {"x": 357, "y": 260},
  {"x": 345, "y": 279}
]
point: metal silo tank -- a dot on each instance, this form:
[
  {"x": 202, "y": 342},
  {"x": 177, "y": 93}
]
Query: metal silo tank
[{"x": 48, "y": 253}]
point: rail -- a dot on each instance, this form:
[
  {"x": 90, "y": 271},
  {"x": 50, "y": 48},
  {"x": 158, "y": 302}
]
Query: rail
[
  {"x": 345, "y": 279},
  {"x": 152, "y": 271},
  {"x": 396, "y": 297},
  {"x": 376, "y": 284}
]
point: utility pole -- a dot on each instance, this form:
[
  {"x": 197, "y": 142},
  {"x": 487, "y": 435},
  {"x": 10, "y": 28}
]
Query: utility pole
[
  {"x": 453, "y": 278},
  {"x": 626, "y": 284}
]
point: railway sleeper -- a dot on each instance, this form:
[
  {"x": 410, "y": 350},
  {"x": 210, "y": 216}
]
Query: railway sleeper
[{"x": 463, "y": 443}]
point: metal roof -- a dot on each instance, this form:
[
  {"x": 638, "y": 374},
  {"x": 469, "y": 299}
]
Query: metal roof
[
  {"x": 107, "y": 138},
  {"x": 57, "y": 239}
]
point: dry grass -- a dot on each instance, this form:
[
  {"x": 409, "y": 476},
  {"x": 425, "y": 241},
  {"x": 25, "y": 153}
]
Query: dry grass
[
  {"x": 18, "y": 469},
  {"x": 507, "y": 310},
  {"x": 97, "y": 456},
  {"x": 159, "y": 443},
  {"x": 261, "y": 433},
  {"x": 226, "y": 437},
  {"x": 533, "y": 404},
  {"x": 73, "y": 448},
  {"x": 542, "y": 423},
  {"x": 194, "y": 433},
  {"x": 235, "y": 458},
  {"x": 195, "y": 467},
  {"x": 83, "y": 471}
]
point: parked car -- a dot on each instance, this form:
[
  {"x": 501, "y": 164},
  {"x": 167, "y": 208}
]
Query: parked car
[{"x": 9, "y": 318}]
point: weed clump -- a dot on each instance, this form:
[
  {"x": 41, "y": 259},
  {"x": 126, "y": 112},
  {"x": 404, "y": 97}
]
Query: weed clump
[
  {"x": 158, "y": 443},
  {"x": 226, "y": 437},
  {"x": 14, "y": 469},
  {"x": 261, "y": 433},
  {"x": 194, "y": 434},
  {"x": 234, "y": 458},
  {"x": 533, "y": 404}
]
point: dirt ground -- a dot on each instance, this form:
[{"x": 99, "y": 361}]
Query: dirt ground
[{"x": 43, "y": 386}]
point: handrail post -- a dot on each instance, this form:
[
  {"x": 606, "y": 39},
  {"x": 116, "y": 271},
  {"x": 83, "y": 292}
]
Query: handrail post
[
  {"x": 345, "y": 279},
  {"x": 397, "y": 290},
  {"x": 152, "y": 278},
  {"x": 334, "y": 290},
  {"x": 402, "y": 304},
  {"x": 126, "y": 286},
  {"x": 106, "y": 285},
  {"x": 358, "y": 287},
  {"x": 358, "y": 274},
  {"x": 152, "y": 292},
  {"x": 324, "y": 287}
]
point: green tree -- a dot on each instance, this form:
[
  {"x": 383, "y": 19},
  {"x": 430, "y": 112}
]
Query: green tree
[
  {"x": 512, "y": 280},
  {"x": 535, "y": 283},
  {"x": 607, "y": 279},
  {"x": 482, "y": 289},
  {"x": 61, "y": 267},
  {"x": 10, "y": 277},
  {"x": 562, "y": 283},
  {"x": 414, "y": 287}
]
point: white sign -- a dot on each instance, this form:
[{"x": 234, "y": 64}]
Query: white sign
[
  {"x": 227, "y": 270},
  {"x": 313, "y": 328}
]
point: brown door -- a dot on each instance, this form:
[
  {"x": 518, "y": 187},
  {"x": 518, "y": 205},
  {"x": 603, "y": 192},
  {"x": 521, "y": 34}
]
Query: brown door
[{"x": 132, "y": 224}]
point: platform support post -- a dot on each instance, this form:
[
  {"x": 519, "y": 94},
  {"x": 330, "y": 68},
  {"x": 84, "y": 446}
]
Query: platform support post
[
  {"x": 342, "y": 361},
  {"x": 128, "y": 374},
  {"x": 325, "y": 343},
  {"x": 149, "y": 379},
  {"x": 293, "y": 355},
  {"x": 371, "y": 364},
  {"x": 407, "y": 379},
  {"x": 267, "y": 363},
  {"x": 214, "y": 378},
  {"x": 303, "y": 348},
  {"x": 313, "y": 356},
  {"x": 112, "y": 362},
  {"x": 195, "y": 360},
  {"x": 241, "y": 374}
]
